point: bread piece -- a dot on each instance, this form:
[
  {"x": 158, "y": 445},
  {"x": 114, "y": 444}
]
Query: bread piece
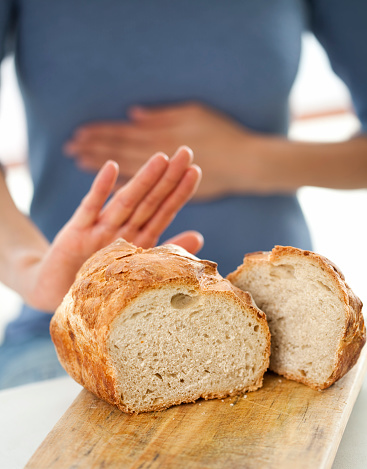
[
  {"x": 315, "y": 320},
  {"x": 148, "y": 329}
]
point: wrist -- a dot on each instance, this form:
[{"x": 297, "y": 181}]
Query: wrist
[
  {"x": 274, "y": 164},
  {"x": 25, "y": 264}
]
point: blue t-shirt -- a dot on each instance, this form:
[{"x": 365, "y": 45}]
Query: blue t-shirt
[{"x": 80, "y": 61}]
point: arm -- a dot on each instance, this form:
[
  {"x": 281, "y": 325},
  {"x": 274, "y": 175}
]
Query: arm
[
  {"x": 42, "y": 273},
  {"x": 281, "y": 165},
  {"x": 233, "y": 159}
]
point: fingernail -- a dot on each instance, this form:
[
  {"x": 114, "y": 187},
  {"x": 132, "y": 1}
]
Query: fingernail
[
  {"x": 188, "y": 149},
  {"x": 115, "y": 164},
  {"x": 161, "y": 154}
]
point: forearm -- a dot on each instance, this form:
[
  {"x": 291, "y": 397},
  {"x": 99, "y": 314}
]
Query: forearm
[
  {"x": 21, "y": 244},
  {"x": 283, "y": 165}
]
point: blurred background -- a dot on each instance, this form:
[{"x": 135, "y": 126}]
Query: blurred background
[{"x": 321, "y": 110}]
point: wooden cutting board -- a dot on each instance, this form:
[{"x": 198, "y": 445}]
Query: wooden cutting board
[{"x": 283, "y": 425}]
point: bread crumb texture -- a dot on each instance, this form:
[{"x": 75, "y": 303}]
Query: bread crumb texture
[
  {"x": 315, "y": 320},
  {"x": 148, "y": 329}
]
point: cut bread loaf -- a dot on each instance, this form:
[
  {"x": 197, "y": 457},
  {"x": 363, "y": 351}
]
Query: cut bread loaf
[
  {"x": 315, "y": 320},
  {"x": 147, "y": 329}
]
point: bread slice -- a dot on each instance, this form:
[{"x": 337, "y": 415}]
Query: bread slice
[
  {"x": 315, "y": 320},
  {"x": 147, "y": 329}
]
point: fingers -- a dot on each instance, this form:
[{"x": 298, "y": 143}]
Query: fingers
[
  {"x": 150, "y": 232},
  {"x": 91, "y": 156},
  {"x": 192, "y": 241},
  {"x": 129, "y": 145},
  {"x": 88, "y": 211},
  {"x": 109, "y": 132},
  {"x": 171, "y": 181},
  {"x": 127, "y": 199}
]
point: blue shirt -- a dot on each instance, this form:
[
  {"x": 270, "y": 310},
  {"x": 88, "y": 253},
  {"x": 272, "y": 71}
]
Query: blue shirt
[{"x": 79, "y": 61}]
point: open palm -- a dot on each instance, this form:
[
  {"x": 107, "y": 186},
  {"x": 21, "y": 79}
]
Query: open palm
[{"x": 138, "y": 212}]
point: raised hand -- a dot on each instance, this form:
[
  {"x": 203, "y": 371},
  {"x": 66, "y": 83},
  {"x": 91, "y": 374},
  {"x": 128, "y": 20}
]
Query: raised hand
[{"x": 139, "y": 212}]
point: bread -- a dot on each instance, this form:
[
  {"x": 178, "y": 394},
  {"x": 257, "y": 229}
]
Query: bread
[
  {"x": 148, "y": 329},
  {"x": 315, "y": 320}
]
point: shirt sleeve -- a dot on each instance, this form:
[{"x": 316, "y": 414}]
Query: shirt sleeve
[{"x": 341, "y": 28}]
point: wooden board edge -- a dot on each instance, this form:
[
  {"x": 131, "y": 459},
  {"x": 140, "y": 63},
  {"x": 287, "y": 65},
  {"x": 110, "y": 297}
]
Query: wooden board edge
[{"x": 360, "y": 373}]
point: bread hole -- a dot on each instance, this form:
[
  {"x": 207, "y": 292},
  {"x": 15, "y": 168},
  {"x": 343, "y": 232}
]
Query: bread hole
[
  {"x": 207, "y": 371},
  {"x": 227, "y": 337},
  {"x": 172, "y": 375},
  {"x": 122, "y": 397},
  {"x": 138, "y": 313},
  {"x": 148, "y": 391},
  {"x": 182, "y": 301},
  {"x": 159, "y": 376},
  {"x": 182, "y": 380},
  {"x": 194, "y": 313},
  {"x": 250, "y": 324},
  {"x": 256, "y": 328},
  {"x": 206, "y": 335},
  {"x": 189, "y": 350},
  {"x": 116, "y": 346},
  {"x": 158, "y": 400},
  {"x": 282, "y": 271},
  {"x": 218, "y": 341},
  {"x": 303, "y": 372}
]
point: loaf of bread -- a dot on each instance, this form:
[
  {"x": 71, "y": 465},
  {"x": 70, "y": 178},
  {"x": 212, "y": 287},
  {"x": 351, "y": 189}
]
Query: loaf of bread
[
  {"x": 315, "y": 320},
  {"x": 148, "y": 329}
]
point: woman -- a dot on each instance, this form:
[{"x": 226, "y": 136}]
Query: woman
[{"x": 123, "y": 79}]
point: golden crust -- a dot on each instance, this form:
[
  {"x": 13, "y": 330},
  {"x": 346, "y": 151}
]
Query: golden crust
[
  {"x": 354, "y": 336},
  {"x": 105, "y": 285}
]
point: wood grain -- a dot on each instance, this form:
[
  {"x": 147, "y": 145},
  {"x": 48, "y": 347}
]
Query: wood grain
[{"x": 283, "y": 425}]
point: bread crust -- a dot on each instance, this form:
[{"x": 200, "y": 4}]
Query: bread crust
[
  {"x": 105, "y": 285},
  {"x": 354, "y": 334}
]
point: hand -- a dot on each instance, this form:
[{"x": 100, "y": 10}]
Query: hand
[
  {"x": 223, "y": 148},
  {"x": 138, "y": 212}
]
